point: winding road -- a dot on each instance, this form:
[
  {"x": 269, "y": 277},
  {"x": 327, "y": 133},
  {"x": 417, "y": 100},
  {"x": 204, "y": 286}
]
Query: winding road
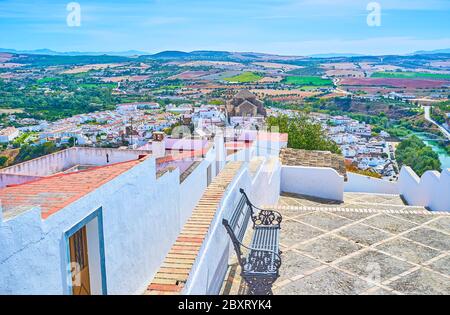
[{"x": 428, "y": 117}]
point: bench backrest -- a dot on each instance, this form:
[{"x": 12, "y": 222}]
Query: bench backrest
[{"x": 237, "y": 222}]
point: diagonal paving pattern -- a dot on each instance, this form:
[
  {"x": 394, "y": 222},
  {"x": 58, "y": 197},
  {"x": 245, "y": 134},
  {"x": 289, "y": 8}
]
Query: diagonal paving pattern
[{"x": 370, "y": 244}]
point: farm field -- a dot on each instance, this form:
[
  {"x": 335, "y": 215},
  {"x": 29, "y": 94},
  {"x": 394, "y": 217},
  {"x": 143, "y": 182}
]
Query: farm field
[
  {"x": 281, "y": 66},
  {"x": 189, "y": 75},
  {"x": 274, "y": 92},
  {"x": 93, "y": 85},
  {"x": 395, "y": 83},
  {"x": 411, "y": 75},
  {"x": 218, "y": 64},
  {"x": 87, "y": 68},
  {"x": 9, "y": 111},
  {"x": 135, "y": 78},
  {"x": 308, "y": 81},
  {"x": 246, "y": 77},
  {"x": 47, "y": 80}
]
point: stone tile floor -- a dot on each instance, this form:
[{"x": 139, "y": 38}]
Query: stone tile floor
[{"x": 370, "y": 244}]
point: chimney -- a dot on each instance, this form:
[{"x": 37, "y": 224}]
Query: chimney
[{"x": 158, "y": 145}]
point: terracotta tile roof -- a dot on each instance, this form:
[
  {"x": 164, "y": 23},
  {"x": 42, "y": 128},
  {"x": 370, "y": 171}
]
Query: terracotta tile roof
[
  {"x": 177, "y": 266},
  {"x": 295, "y": 157},
  {"x": 55, "y": 192}
]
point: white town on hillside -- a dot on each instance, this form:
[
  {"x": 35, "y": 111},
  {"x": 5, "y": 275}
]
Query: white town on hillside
[{"x": 163, "y": 214}]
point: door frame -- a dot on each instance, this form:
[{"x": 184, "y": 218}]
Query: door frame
[{"x": 97, "y": 214}]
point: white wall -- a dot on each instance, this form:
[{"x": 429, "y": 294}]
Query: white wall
[
  {"x": 138, "y": 233},
  {"x": 209, "y": 270},
  {"x": 318, "y": 182},
  {"x": 192, "y": 189},
  {"x": 366, "y": 184},
  {"x": 189, "y": 197},
  {"x": 142, "y": 218},
  {"x": 65, "y": 159},
  {"x": 13, "y": 179},
  {"x": 432, "y": 190}
]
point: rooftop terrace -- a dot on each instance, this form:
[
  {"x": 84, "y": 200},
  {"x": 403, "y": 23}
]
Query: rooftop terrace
[{"x": 370, "y": 244}]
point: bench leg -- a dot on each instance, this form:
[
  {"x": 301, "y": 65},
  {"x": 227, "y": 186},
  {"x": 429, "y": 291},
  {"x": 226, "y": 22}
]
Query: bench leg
[{"x": 260, "y": 285}]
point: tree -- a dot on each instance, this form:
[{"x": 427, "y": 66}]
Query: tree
[
  {"x": 3, "y": 160},
  {"x": 415, "y": 153},
  {"x": 303, "y": 133}
]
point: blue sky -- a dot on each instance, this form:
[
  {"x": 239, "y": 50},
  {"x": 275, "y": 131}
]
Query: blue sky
[{"x": 289, "y": 27}]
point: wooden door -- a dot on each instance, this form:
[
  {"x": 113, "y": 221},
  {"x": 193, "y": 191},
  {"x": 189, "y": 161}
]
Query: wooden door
[{"x": 79, "y": 263}]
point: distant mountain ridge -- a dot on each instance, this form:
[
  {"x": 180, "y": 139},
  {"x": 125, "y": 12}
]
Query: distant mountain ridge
[
  {"x": 432, "y": 52},
  {"x": 50, "y": 52},
  {"x": 207, "y": 54}
]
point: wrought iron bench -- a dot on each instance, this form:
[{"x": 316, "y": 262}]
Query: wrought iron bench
[{"x": 261, "y": 261}]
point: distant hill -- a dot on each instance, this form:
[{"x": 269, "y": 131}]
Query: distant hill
[
  {"x": 50, "y": 52},
  {"x": 219, "y": 56},
  {"x": 335, "y": 55},
  {"x": 431, "y": 52},
  {"x": 170, "y": 55}
]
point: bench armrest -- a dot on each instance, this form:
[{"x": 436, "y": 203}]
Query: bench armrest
[{"x": 263, "y": 217}]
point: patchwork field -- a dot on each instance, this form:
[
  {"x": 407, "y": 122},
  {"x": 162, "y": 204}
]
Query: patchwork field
[
  {"x": 396, "y": 83},
  {"x": 411, "y": 75},
  {"x": 211, "y": 64},
  {"x": 135, "y": 78},
  {"x": 8, "y": 65},
  {"x": 345, "y": 73},
  {"x": 271, "y": 80},
  {"x": 87, "y": 68},
  {"x": 340, "y": 66},
  {"x": 309, "y": 81},
  {"x": 4, "y": 57},
  {"x": 281, "y": 66},
  {"x": 9, "y": 111},
  {"x": 189, "y": 75},
  {"x": 246, "y": 77},
  {"x": 440, "y": 64},
  {"x": 273, "y": 92}
]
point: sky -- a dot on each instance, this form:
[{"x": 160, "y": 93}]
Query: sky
[{"x": 286, "y": 27}]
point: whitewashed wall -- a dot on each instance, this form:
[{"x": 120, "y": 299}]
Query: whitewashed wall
[
  {"x": 138, "y": 232},
  {"x": 142, "y": 218},
  {"x": 192, "y": 189},
  {"x": 318, "y": 182},
  {"x": 366, "y": 184},
  {"x": 432, "y": 190},
  {"x": 210, "y": 268},
  {"x": 56, "y": 162},
  {"x": 13, "y": 179}
]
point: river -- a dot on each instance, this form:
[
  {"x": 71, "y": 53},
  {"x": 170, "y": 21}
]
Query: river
[{"x": 443, "y": 155}]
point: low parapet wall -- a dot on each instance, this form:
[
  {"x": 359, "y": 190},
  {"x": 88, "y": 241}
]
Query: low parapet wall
[
  {"x": 432, "y": 190},
  {"x": 318, "y": 182},
  {"x": 366, "y": 184},
  {"x": 13, "y": 179},
  {"x": 62, "y": 160}
]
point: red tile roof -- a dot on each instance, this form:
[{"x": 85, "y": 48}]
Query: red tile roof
[{"x": 55, "y": 192}]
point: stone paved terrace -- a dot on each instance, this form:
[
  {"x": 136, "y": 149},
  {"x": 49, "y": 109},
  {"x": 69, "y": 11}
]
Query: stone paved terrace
[{"x": 370, "y": 244}]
